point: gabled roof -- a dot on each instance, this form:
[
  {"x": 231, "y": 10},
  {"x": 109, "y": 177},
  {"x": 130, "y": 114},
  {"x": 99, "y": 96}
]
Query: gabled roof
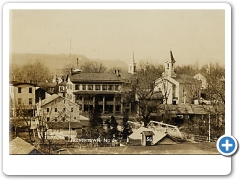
[
  {"x": 19, "y": 146},
  {"x": 147, "y": 133},
  {"x": 159, "y": 137},
  {"x": 64, "y": 83},
  {"x": 17, "y": 83},
  {"x": 95, "y": 77},
  {"x": 49, "y": 99},
  {"x": 185, "y": 109}
]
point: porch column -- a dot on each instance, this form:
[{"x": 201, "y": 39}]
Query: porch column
[
  {"x": 130, "y": 108},
  {"x": 82, "y": 104},
  {"x": 121, "y": 105},
  {"x": 114, "y": 104},
  {"x": 93, "y": 101},
  {"x": 103, "y": 105}
]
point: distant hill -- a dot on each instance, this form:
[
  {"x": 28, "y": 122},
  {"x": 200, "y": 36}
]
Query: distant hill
[{"x": 56, "y": 62}]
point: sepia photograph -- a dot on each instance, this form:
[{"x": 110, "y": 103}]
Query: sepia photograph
[{"x": 116, "y": 81}]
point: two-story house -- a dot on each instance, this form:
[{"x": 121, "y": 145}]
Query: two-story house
[
  {"x": 57, "y": 109},
  {"x": 22, "y": 97}
]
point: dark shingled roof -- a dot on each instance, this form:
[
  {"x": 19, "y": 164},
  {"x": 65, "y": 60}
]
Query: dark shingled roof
[
  {"x": 64, "y": 83},
  {"x": 96, "y": 77},
  {"x": 147, "y": 133},
  {"x": 192, "y": 108}
]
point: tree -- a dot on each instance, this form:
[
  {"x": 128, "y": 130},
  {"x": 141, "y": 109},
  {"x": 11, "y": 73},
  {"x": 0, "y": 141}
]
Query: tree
[
  {"x": 23, "y": 116},
  {"x": 127, "y": 130},
  {"x": 30, "y": 72},
  {"x": 190, "y": 69},
  {"x": 87, "y": 67},
  {"x": 215, "y": 76},
  {"x": 93, "y": 67},
  {"x": 215, "y": 93},
  {"x": 95, "y": 122},
  {"x": 113, "y": 131},
  {"x": 143, "y": 92}
]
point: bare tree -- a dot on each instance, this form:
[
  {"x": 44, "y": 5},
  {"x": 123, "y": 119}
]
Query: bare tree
[
  {"x": 215, "y": 76},
  {"x": 93, "y": 67},
  {"x": 23, "y": 116},
  {"x": 142, "y": 92},
  {"x": 31, "y": 72},
  {"x": 215, "y": 93}
]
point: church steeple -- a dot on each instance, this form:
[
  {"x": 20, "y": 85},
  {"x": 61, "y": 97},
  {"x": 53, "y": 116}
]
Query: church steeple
[
  {"x": 132, "y": 68},
  {"x": 169, "y": 66}
]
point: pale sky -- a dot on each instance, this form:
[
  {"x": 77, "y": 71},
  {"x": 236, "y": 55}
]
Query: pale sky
[{"x": 192, "y": 35}]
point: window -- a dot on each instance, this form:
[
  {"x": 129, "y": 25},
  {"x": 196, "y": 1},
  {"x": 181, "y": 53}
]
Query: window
[
  {"x": 71, "y": 109},
  {"x": 83, "y": 87},
  {"x": 64, "y": 109},
  {"x": 48, "y": 119},
  {"x": 47, "y": 109},
  {"x": 30, "y": 90},
  {"x": 55, "y": 109},
  {"x": 70, "y": 86},
  {"x": 30, "y": 101},
  {"x": 76, "y": 87},
  {"x": 116, "y": 87},
  {"x": 75, "y": 118},
  {"x": 19, "y": 100},
  {"x": 104, "y": 87},
  {"x": 55, "y": 119},
  {"x": 97, "y": 87},
  {"x": 90, "y": 87},
  {"x": 19, "y": 90},
  {"x": 110, "y": 87}
]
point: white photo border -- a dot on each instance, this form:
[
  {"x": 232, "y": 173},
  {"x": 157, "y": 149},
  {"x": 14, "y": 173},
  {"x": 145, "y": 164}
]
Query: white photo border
[{"x": 103, "y": 164}]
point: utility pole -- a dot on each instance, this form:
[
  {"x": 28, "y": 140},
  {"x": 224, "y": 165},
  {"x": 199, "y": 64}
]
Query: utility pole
[
  {"x": 209, "y": 132},
  {"x": 70, "y": 128}
]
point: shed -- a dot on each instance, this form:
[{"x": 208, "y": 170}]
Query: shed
[
  {"x": 147, "y": 138},
  {"x": 19, "y": 146}
]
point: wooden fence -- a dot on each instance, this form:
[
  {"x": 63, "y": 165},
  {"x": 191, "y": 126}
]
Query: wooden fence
[{"x": 199, "y": 138}]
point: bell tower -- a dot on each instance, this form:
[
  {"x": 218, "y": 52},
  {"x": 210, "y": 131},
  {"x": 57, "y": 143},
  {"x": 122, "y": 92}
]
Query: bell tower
[{"x": 170, "y": 66}]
